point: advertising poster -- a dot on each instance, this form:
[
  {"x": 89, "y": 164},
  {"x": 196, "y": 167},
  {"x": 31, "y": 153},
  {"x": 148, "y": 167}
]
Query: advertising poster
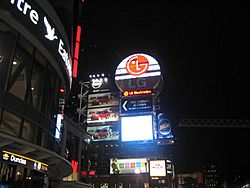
[
  {"x": 102, "y": 115},
  {"x": 137, "y": 128},
  {"x": 157, "y": 168},
  {"x": 104, "y": 133},
  {"x": 128, "y": 166},
  {"x": 102, "y": 100}
]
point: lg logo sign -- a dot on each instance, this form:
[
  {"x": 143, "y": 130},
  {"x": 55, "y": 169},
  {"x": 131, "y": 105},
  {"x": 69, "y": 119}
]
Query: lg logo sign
[
  {"x": 50, "y": 34},
  {"x": 137, "y": 65}
]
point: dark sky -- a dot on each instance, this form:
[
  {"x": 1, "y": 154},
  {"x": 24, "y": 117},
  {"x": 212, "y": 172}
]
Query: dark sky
[{"x": 203, "y": 50}]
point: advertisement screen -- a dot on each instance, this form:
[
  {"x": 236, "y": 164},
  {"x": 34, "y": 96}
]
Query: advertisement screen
[
  {"x": 101, "y": 115},
  {"x": 104, "y": 133},
  {"x": 136, "y": 128},
  {"x": 128, "y": 166},
  {"x": 157, "y": 168},
  {"x": 136, "y": 105},
  {"x": 102, "y": 100}
]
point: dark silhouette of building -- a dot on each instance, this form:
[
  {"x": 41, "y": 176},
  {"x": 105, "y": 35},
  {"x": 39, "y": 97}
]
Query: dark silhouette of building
[{"x": 210, "y": 174}]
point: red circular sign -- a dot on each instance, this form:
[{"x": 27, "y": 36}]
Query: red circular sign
[{"x": 137, "y": 65}]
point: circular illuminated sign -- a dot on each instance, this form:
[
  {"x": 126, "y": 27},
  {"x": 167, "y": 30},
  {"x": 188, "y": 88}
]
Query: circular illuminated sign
[
  {"x": 164, "y": 127},
  {"x": 137, "y": 72},
  {"x": 137, "y": 65},
  {"x": 96, "y": 83}
]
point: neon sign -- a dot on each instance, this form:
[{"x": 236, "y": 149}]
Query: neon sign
[
  {"x": 137, "y": 72},
  {"x": 137, "y": 93},
  {"x": 23, "y": 160},
  {"x": 137, "y": 66},
  {"x": 50, "y": 31}
]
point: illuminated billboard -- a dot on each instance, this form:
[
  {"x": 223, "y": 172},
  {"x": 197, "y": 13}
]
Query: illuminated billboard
[
  {"x": 136, "y": 105},
  {"x": 102, "y": 115},
  {"x": 101, "y": 83},
  {"x": 45, "y": 28},
  {"x": 137, "y": 71},
  {"x": 128, "y": 166},
  {"x": 136, "y": 128},
  {"x": 13, "y": 158},
  {"x": 102, "y": 100},
  {"x": 104, "y": 133},
  {"x": 157, "y": 168}
]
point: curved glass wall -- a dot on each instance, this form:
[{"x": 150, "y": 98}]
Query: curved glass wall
[{"x": 27, "y": 78}]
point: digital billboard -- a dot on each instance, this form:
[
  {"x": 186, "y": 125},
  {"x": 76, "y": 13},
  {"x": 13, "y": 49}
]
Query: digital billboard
[
  {"x": 102, "y": 100},
  {"x": 128, "y": 166},
  {"x": 157, "y": 168},
  {"x": 136, "y": 104},
  {"x": 102, "y": 115},
  {"x": 104, "y": 133},
  {"x": 136, "y": 128}
]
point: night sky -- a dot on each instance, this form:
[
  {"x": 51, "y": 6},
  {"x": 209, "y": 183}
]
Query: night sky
[{"x": 203, "y": 51}]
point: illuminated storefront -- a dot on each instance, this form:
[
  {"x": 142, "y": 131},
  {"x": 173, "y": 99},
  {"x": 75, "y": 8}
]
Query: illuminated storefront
[{"x": 34, "y": 64}]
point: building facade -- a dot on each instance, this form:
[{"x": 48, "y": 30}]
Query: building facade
[
  {"x": 210, "y": 174},
  {"x": 35, "y": 72}
]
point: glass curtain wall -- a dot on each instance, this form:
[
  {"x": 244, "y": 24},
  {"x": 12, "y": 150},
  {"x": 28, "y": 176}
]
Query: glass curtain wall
[{"x": 26, "y": 74}]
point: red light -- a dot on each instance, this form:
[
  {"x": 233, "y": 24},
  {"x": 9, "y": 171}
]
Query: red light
[
  {"x": 76, "y": 55},
  {"x": 77, "y": 47},
  {"x": 74, "y": 74},
  {"x": 92, "y": 172},
  {"x": 74, "y": 165},
  {"x": 84, "y": 173},
  {"x": 78, "y": 33},
  {"x": 61, "y": 90}
]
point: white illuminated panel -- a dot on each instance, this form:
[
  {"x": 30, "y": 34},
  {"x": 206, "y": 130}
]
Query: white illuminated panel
[
  {"x": 136, "y": 128},
  {"x": 128, "y": 166},
  {"x": 157, "y": 168},
  {"x": 153, "y": 68},
  {"x": 58, "y": 125}
]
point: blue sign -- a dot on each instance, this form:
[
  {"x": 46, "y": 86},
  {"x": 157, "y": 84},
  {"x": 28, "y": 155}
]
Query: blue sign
[{"x": 135, "y": 105}]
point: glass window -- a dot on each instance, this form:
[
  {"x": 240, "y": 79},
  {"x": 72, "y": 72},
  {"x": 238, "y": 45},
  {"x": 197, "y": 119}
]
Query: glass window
[
  {"x": 7, "y": 45},
  {"x": 72, "y": 146},
  {"x": 10, "y": 123},
  {"x": 21, "y": 69},
  {"x": 37, "y": 81},
  {"x": 29, "y": 131},
  {"x": 51, "y": 91}
]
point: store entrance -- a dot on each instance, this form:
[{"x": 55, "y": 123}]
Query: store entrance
[{"x": 12, "y": 176}]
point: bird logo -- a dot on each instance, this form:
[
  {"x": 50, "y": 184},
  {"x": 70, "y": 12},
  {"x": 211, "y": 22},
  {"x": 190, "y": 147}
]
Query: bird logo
[{"x": 50, "y": 31}]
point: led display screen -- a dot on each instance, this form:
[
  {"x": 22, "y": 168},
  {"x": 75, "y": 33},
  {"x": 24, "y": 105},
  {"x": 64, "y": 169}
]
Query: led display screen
[
  {"x": 101, "y": 115},
  {"x": 102, "y": 100},
  {"x": 157, "y": 168},
  {"x": 136, "y": 128},
  {"x": 104, "y": 133},
  {"x": 128, "y": 166}
]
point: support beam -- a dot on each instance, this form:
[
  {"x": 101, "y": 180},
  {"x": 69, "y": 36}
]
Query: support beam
[{"x": 215, "y": 123}]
